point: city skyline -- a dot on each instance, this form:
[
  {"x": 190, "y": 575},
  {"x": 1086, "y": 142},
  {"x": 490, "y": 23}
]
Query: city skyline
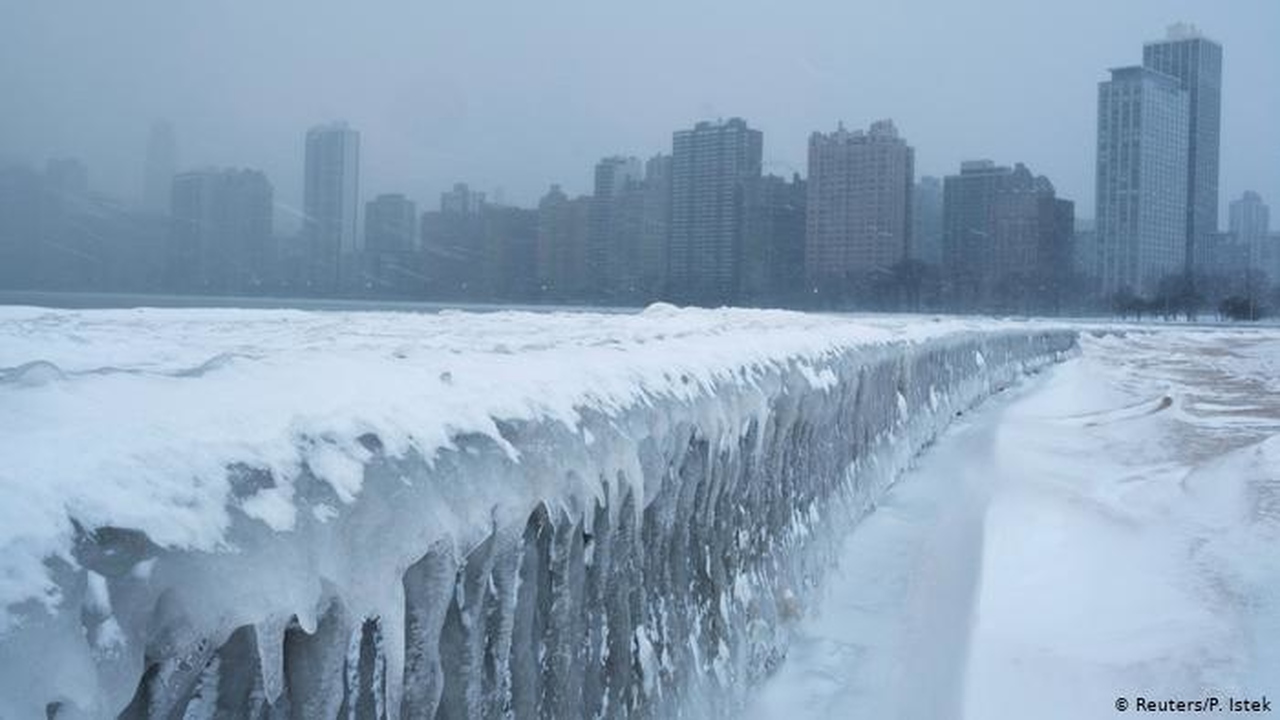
[
  {"x": 711, "y": 223},
  {"x": 800, "y": 85}
]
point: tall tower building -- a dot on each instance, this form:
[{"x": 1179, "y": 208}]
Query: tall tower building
[
  {"x": 390, "y": 224},
  {"x": 773, "y": 259},
  {"x": 221, "y": 231},
  {"x": 1250, "y": 223},
  {"x": 563, "y": 226},
  {"x": 331, "y": 202},
  {"x": 1143, "y": 139},
  {"x": 655, "y": 233},
  {"x": 453, "y": 242},
  {"x": 1196, "y": 62},
  {"x": 161, "y": 166},
  {"x": 714, "y": 168},
  {"x": 390, "y": 242},
  {"x": 1250, "y": 218},
  {"x": 1007, "y": 238},
  {"x": 617, "y": 182},
  {"x": 859, "y": 207},
  {"x": 1084, "y": 250},
  {"x": 461, "y": 200},
  {"x": 926, "y": 221}
]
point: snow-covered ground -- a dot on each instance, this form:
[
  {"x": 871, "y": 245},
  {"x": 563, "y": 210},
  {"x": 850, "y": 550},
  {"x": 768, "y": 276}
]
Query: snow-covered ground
[
  {"x": 130, "y": 417},
  {"x": 573, "y": 513},
  {"x": 1108, "y": 530},
  {"x": 224, "y": 496}
]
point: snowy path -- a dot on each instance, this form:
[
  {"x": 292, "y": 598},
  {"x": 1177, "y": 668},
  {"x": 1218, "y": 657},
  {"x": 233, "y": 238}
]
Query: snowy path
[{"x": 1110, "y": 529}]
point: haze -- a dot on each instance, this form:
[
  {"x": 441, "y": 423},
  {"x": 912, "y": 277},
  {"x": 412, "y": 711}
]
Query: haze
[{"x": 514, "y": 96}]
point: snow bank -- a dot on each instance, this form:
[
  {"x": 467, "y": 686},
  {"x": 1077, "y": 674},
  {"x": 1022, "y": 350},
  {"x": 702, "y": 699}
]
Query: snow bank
[{"x": 446, "y": 514}]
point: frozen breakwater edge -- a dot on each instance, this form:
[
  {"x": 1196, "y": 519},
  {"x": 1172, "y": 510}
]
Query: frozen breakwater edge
[
  {"x": 224, "y": 513},
  {"x": 1106, "y": 533}
]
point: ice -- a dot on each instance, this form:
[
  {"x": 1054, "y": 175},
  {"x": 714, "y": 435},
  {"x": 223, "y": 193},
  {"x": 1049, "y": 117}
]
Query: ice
[
  {"x": 1109, "y": 529},
  {"x": 449, "y": 515}
]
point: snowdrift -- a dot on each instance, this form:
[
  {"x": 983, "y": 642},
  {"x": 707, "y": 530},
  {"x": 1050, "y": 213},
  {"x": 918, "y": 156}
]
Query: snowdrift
[{"x": 225, "y": 513}]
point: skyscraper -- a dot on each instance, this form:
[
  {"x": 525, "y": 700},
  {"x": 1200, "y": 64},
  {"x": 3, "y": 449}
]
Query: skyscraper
[
  {"x": 161, "y": 166},
  {"x": 390, "y": 224},
  {"x": 1250, "y": 218},
  {"x": 331, "y": 203},
  {"x": 390, "y": 239},
  {"x": 714, "y": 168},
  {"x": 1084, "y": 251},
  {"x": 452, "y": 243},
  {"x": 1143, "y": 138},
  {"x": 926, "y": 221},
  {"x": 1196, "y": 62},
  {"x": 1006, "y": 238},
  {"x": 1250, "y": 223},
  {"x": 221, "y": 231},
  {"x": 461, "y": 200},
  {"x": 773, "y": 256},
  {"x": 562, "y": 244},
  {"x": 508, "y": 257},
  {"x": 859, "y": 207},
  {"x": 617, "y": 182},
  {"x": 655, "y": 233}
]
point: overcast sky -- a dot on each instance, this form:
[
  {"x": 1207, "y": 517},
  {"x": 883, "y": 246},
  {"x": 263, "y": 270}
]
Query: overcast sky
[{"x": 518, "y": 95}]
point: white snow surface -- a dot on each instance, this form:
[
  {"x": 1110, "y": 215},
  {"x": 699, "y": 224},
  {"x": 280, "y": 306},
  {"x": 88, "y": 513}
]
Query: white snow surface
[
  {"x": 1109, "y": 530},
  {"x": 129, "y": 418}
]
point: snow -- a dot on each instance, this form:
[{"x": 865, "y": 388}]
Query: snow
[
  {"x": 1108, "y": 530},
  {"x": 226, "y": 468},
  {"x": 156, "y": 403}
]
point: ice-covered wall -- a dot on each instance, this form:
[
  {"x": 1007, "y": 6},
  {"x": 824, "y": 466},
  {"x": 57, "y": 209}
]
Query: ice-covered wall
[{"x": 633, "y": 555}]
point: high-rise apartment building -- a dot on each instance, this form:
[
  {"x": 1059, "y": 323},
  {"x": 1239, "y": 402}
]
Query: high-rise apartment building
[
  {"x": 390, "y": 224},
  {"x": 508, "y": 253},
  {"x": 390, "y": 243},
  {"x": 714, "y": 168},
  {"x": 859, "y": 206},
  {"x": 655, "y": 232},
  {"x": 926, "y": 221},
  {"x": 1249, "y": 217},
  {"x": 1084, "y": 251},
  {"x": 561, "y": 258},
  {"x": 614, "y": 229},
  {"x": 1250, "y": 224},
  {"x": 331, "y": 194},
  {"x": 1006, "y": 238},
  {"x": 220, "y": 238},
  {"x": 451, "y": 243},
  {"x": 1196, "y": 62},
  {"x": 773, "y": 255},
  {"x": 1143, "y": 146},
  {"x": 461, "y": 200}
]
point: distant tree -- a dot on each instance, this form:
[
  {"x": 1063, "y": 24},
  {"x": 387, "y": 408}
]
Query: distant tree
[
  {"x": 1176, "y": 294},
  {"x": 1239, "y": 307},
  {"x": 914, "y": 282},
  {"x": 1125, "y": 304}
]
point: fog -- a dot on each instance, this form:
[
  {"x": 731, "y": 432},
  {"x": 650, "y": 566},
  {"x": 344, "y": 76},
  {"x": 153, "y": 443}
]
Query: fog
[{"x": 514, "y": 96}]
